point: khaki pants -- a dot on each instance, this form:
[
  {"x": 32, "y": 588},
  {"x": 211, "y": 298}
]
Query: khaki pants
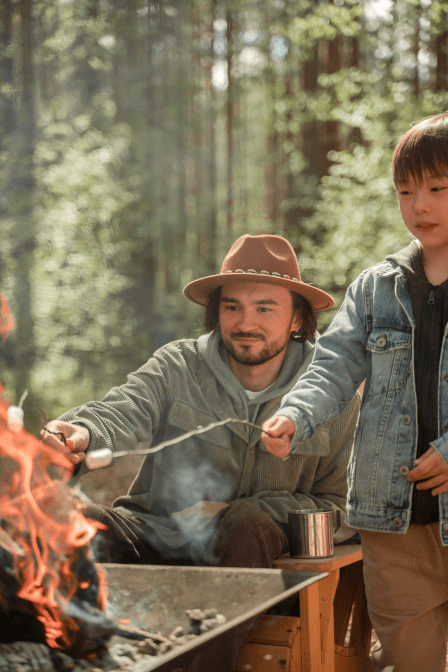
[{"x": 406, "y": 578}]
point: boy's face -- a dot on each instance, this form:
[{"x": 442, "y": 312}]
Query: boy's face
[{"x": 424, "y": 208}]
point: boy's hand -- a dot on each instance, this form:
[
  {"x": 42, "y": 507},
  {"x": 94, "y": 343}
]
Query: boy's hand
[
  {"x": 77, "y": 439},
  {"x": 283, "y": 428},
  {"x": 430, "y": 466}
]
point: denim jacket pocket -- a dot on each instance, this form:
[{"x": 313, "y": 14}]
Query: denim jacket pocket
[{"x": 390, "y": 352}]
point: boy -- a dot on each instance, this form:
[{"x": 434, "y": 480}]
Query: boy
[{"x": 390, "y": 330}]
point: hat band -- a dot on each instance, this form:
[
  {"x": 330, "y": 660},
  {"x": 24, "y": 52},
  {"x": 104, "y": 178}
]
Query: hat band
[{"x": 275, "y": 273}]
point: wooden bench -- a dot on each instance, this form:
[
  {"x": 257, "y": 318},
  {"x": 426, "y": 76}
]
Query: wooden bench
[{"x": 316, "y": 642}]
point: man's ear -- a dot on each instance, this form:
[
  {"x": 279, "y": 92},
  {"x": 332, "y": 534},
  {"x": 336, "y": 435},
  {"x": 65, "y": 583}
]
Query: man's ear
[{"x": 296, "y": 323}]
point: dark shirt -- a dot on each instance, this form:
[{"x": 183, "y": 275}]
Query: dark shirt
[{"x": 430, "y": 305}]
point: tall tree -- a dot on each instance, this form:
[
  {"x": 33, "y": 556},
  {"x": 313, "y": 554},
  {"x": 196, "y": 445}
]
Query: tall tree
[
  {"x": 332, "y": 140},
  {"x": 440, "y": 28},
  {"x": 415, "y": 47},
  {"x": 230, "y": 128},
  {"x": 25, "y": 235},
  {"x": 7, "y": 69}
]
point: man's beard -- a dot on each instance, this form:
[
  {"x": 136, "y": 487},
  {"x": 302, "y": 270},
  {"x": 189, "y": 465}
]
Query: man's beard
[{"x": 246, "y": 357}]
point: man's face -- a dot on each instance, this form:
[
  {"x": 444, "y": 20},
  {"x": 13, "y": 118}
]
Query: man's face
[{"x": 256, "y": 321}]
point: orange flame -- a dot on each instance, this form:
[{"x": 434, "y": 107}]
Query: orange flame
[
  {"x": 7, "y": 321},
  {"x": 45, "y": 519}
]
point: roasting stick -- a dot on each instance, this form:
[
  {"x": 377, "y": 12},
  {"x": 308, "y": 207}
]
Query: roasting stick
[
  {"x": 131, "y": 632},
  {"x": 103, "y": 457}
]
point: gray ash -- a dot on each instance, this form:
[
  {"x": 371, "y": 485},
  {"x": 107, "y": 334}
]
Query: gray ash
[{"x": 121, "y": 656}]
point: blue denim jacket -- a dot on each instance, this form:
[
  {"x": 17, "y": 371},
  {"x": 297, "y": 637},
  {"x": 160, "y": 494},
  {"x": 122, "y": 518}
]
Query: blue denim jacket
[{"x": 372, "y": 338}]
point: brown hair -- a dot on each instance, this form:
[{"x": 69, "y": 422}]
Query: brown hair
[
  {"x": 299, "y": 304},
  {"x": 424, "y": 148}
]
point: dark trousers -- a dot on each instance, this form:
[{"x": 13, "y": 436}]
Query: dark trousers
[{"x": 240, "y": 536}]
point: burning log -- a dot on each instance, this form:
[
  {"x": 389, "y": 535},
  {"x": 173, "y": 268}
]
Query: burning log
[
  {"x": 31, "y": 657},
  {"x": 120, "y": 657}
]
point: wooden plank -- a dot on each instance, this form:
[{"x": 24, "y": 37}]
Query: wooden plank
[
  {"x": 276, "y": 630},
  {"x": 343, "y": 555},
  {"x": 351, "y": 663},
  {"x": 296, "y": 654},
  {"x": 264, "y": 658}
]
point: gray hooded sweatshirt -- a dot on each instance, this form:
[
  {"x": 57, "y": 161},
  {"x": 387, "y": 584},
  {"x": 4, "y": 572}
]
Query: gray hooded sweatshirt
[{"x": 186, "y": 385}]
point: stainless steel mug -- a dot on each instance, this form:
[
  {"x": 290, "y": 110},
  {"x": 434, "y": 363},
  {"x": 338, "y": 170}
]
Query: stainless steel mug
[{"x": 311, "y": 532}]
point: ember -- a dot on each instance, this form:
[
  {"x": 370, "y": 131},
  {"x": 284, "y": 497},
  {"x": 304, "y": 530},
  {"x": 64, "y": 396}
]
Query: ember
[{"x": 45, "y": 570}]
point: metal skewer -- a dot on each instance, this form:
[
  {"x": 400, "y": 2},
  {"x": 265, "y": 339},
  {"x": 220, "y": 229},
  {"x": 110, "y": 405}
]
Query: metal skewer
[{"x": 103, "y": 457}]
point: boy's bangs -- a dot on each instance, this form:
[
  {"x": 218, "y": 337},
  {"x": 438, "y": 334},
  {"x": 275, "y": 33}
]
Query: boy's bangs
[
  {"x": 422, "y": 150},
  {"x": 420, "y": 154}
]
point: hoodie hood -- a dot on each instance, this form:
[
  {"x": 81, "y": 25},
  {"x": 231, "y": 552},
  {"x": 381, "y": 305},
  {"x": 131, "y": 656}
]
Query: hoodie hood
[
  {"x": 408, "y": 259},
  {"x": 298, "y": 357}
]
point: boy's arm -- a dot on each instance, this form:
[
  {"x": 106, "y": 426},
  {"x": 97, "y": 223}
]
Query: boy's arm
[
  {"x": 338, "y": 368},
  {"x": 329, "y": 484}
]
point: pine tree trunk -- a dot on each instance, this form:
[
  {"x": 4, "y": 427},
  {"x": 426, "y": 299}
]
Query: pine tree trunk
[
  {"x": 311, "y": 139},
  {"x": 355, "y": 135},
  {"x": 333, "y": 140},
  {"x": 290, "y": 141},
  {"x": 25, "y": 240},
  {"x": 7, "y": 67},
  {"x": 210, "y": 159},
  {"x": 441, "y": 83},
  {"x": 415, "y": 51},
  {"x": 274, "y": 186},
  {"x": 229, "y": 132}
]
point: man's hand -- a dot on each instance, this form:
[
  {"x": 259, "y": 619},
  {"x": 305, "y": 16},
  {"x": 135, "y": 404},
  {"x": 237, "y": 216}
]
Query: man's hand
[
  {"x": 283, "y": 430},
  {"x": 77, "y": 439},
  {"x": 199, "y": 514},
  {"x": 432, "y": 467}
]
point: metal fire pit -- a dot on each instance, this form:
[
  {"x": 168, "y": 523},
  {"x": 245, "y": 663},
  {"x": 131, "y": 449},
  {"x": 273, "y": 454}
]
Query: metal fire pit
[{"x": 155, "y": 598}]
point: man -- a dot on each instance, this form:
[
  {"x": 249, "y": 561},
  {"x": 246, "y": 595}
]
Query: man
[{"x": 219, "y": 498}]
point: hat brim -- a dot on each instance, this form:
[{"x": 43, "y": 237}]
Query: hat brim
[{"x": 199, "y": 291}]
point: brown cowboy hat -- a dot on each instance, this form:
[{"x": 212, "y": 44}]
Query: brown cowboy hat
[{"x": 264, "y": 258}]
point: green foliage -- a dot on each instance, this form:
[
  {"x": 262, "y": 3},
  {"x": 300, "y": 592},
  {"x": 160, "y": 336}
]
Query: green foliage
[
  {"x": 356, "y": 221},
  {"x": 130, "y": 194}
]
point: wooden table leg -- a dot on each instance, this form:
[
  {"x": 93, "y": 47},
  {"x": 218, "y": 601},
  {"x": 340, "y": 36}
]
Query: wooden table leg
[
  {"x": 327, "y": 591},
  {"x": 310, "y": 628},
  {"x": 317, "y": 624}
]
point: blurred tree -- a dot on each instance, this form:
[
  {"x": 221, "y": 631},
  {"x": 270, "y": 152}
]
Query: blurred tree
[
  {"x": 140, "y": 138},
  {"x": 21, "y": 204},
  {"x": 230, "y": 126},
  {"x": 439, "y": 16}
]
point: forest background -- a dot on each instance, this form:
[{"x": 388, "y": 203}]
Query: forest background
[{"x": 140, "y": 138}]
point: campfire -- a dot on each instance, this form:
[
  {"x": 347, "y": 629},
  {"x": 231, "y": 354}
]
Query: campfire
[
  {"x": 50, "y": 589},
  {"x": 46, "y": 572}
]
